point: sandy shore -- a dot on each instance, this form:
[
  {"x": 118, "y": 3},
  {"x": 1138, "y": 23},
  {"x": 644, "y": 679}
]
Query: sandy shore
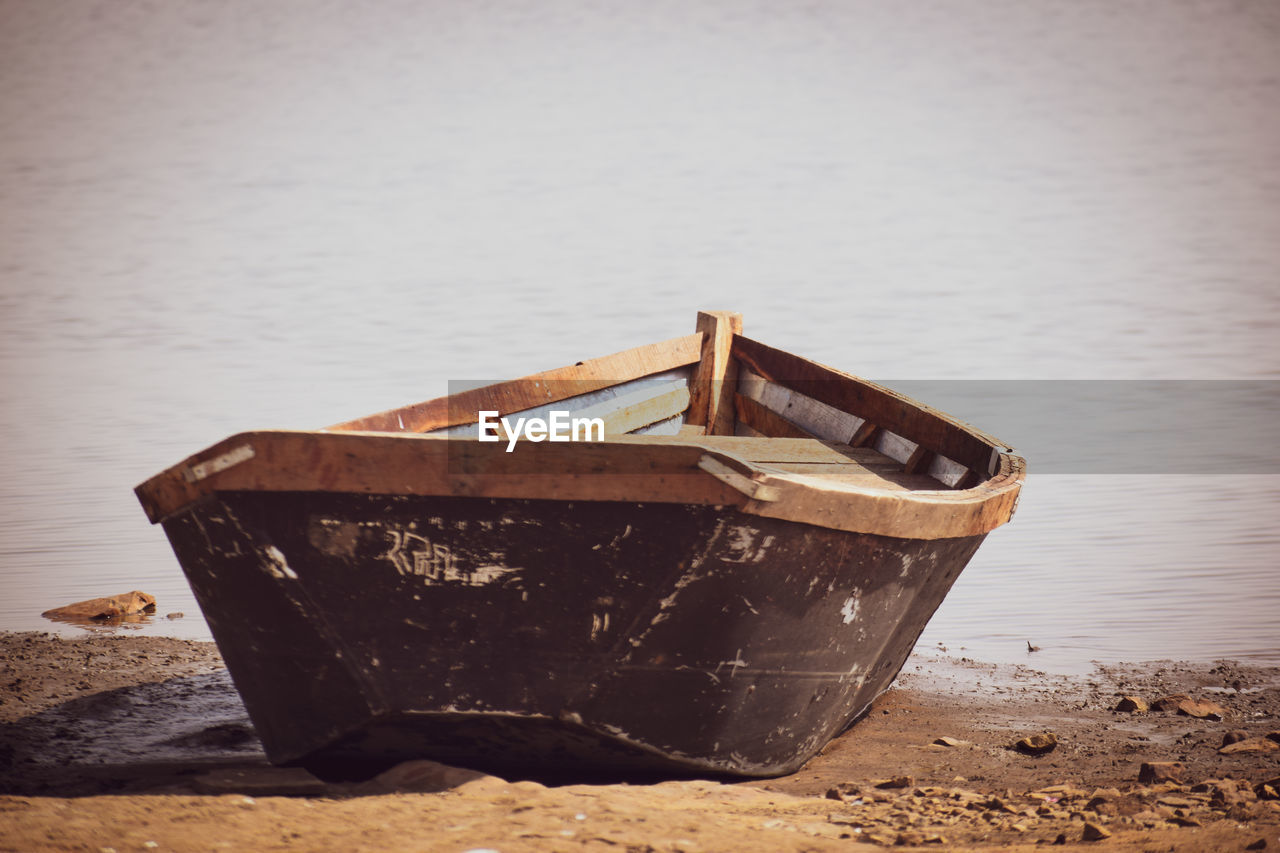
[{"x": 138, "y": 743}]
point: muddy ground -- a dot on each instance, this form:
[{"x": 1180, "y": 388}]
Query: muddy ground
[{"x": 140, "y": 743}]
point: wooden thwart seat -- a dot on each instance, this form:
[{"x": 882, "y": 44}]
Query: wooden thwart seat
[{"x": 828, "y": 460}]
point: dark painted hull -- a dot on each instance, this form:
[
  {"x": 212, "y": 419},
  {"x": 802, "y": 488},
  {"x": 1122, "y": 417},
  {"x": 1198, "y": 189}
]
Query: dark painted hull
[{"x": 536, "y": 637}]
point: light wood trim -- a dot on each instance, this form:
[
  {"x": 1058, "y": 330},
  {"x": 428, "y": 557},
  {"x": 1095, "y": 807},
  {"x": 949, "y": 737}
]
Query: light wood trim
[
  {"x": 941, "y": 514},
  {"x": 626, "y": 468},
  {"x": 537, "y": 389},
  {"x": 766, "y": 421},
  {"x": 751, "y": 488},
  {"x": 864, "y": 435},
  {"x": 862, "y": 478},
  {"x": 887, "y": 409},
  {"x": 773, "y": 449},
  {"x": 918, "y": 461},
  {"x": 814, "y": 417},
  {"x": 712, "y": 386},
  {"x": 645, "y": 412}
]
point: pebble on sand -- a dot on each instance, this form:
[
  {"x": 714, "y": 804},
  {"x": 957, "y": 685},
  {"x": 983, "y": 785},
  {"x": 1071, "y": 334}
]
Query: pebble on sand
[
  {"x": 1133, "y": 705},
  {"x": 1253, "y": 744},
  {"x": 1169, "y": 703},
  {"x": 1040, "y": 744},
  {"x": 1155, "y": 772},
  {"x": 1201, "y": 709},
  {"x": 1094, "y": 832}
]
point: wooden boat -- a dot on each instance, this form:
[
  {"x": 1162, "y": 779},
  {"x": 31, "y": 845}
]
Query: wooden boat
[{"x": 720, "y": 586}]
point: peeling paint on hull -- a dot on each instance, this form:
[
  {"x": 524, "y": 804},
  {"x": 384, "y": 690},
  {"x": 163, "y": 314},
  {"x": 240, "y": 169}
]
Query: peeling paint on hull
[{"x": 517, "y": 635}]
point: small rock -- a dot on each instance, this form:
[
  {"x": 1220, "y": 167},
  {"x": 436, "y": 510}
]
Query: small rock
[
  {"x": 1260, "y": 844},
  {"x": 174, "y": 615},
  {"x": 1094, "y": 832},
  {"x": 1268, "y": 790},
  {"x": 1178, "y": 801},
  {"x": 1040, "y": 744},
  {"x": 998, "y": 805},
  {"x": 896, "y": 782},
  {"x": 843, "y": 791},
  {"x": 1169, "y": 703},
  {"x": 949, "y": 741},
  {"x": 1133, "y": 705},
  {"x": 104, "y": 608},
  {"x": 1253, "y": 744},
  {"x": 1102, "y": 806},
  {"x": 1234, "y": 736},
  {"x": 1201, "y": 709},
  {"x": 1061, "y": 839},
  {"x": 1275, "y": 736},
  {"x": 846, "y": 820},
  {"x": 1155, "y": 772}
]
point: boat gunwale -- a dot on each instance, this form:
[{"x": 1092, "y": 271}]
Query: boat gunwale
[
  {"x": 390, "y": 463},
  {"x": 673, "y": 469}
]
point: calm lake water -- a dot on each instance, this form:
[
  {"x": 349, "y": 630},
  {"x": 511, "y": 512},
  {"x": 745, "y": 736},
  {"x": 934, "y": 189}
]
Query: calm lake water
[{"x": 219, "y": 217}]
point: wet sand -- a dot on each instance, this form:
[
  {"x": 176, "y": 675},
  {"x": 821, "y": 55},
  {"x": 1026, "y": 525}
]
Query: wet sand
[{"x": 135, "y": 743}]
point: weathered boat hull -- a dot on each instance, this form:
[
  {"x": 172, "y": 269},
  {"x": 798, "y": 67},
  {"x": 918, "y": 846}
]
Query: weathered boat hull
[{"x": 540, "y": 636}]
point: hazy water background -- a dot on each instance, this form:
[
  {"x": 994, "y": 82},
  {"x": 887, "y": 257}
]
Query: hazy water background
[{"x": 224, "y": 216}]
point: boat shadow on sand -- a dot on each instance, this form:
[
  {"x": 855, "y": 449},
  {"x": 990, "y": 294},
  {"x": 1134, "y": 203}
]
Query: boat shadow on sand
[
  {"x": 129, "y": 738},
  {"x": 191, "y": 735}
]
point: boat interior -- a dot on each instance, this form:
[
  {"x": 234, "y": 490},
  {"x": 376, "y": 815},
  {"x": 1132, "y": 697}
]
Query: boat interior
[{"x": 722, "y": 391}]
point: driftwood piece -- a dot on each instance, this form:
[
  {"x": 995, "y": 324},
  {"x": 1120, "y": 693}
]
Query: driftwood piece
[{"x": 124, "y": 604}]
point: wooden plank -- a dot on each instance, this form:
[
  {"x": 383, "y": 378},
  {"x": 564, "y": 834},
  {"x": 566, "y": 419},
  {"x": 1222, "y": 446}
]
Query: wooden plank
[
  {"x": 865, "y": 478},
  {"x": 689, "y": 430},
  {"x": 908, "y": 418},
  {"x": 725, "y": 413},
  {"x": 628, "y": 469},
  {"x": 534, "y": 390},
  {"x": 894, "y": 446},
  {"x": 725, "y": 474},
  {"x": 641, "y": 413},
  {"x": 766, "y": 421},
  {"x": 929, "y": 514},
  {"x": 830, "y": 469},
  {"x": 946, "y": 471},
  {"x": 774, "y": 449},
  {"x": 814, "y": 417},
  {"x": 918, "y": 460},
  {"x": 865, "y": 435},
  {"x": 712, "y": 386}
]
